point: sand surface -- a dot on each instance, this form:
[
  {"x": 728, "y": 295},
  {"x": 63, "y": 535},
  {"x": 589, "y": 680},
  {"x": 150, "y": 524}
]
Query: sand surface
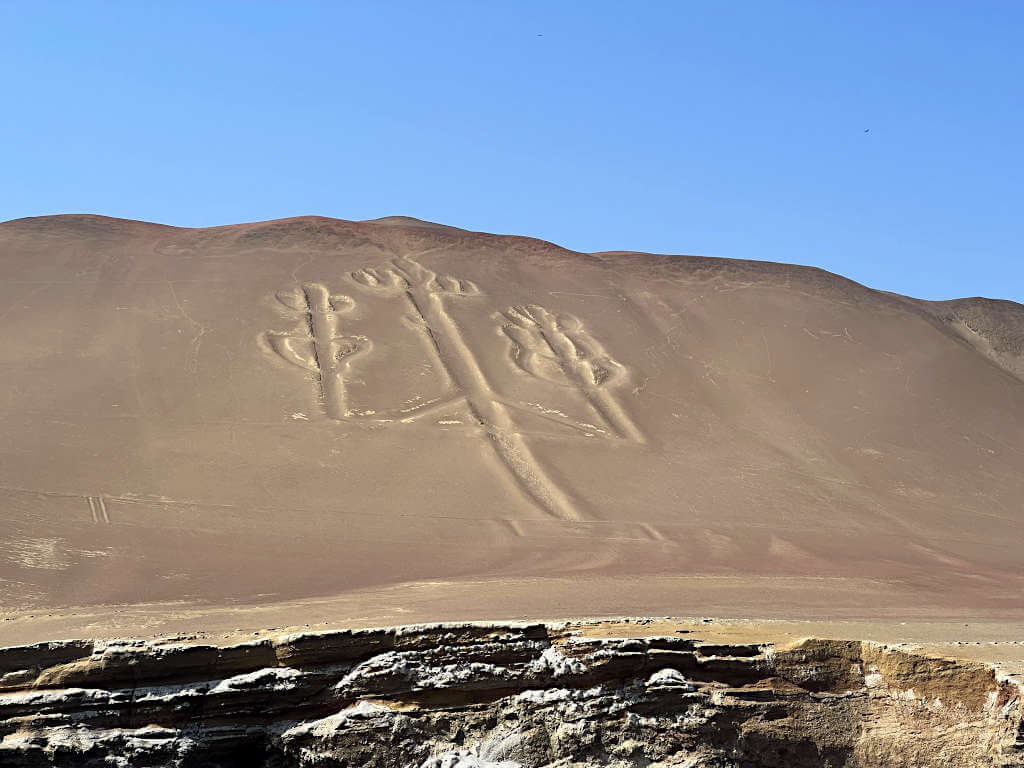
[{"x": 313, "y": 420}]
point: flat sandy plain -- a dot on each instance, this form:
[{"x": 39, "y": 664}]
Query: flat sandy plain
[{"x": 360, "y": 423}]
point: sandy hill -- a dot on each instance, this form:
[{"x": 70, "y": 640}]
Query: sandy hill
[{"x": 394, "y": 420}]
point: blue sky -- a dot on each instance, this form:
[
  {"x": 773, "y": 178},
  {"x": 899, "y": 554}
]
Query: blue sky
[{"x": 731, "y": 129}]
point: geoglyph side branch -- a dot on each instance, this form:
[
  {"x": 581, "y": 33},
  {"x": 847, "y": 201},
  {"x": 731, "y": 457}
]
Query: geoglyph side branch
[
  {"x": 319, "y": 347},
  {"x": 556, "y": 348}
]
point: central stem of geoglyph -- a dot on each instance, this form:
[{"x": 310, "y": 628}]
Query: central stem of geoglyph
[{"x": 425, "y": 293}]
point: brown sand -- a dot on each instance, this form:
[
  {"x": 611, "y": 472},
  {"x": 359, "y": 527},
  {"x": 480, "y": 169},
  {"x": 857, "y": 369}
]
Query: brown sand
[{"x": 314, "y": 420}]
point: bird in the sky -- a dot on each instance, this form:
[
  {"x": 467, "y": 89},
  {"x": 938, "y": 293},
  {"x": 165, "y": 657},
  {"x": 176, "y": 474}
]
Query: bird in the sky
[{"x": 867, "y": 130}]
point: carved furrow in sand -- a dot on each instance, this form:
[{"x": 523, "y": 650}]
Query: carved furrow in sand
[
  {"x": 323, "y": 329},
  {"x": 541, "y": 335},
  {"x": 465, "y": 372}
]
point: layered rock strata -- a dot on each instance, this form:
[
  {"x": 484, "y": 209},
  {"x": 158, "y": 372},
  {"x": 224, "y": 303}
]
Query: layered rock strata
[{"x": 501, "y": 696}]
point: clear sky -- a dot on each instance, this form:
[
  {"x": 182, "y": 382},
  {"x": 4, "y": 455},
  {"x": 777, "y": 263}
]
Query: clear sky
[{"x": 880, "y": 140}]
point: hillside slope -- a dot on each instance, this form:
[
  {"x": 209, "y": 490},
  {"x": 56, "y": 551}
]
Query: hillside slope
[{"x": 396, "y": 418}]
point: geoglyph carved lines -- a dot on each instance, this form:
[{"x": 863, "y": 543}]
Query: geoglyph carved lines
[
  {"x": 405, "y": 273},
  {"x": 384, "y": 280},
  {"x": 425, "y": 292},
  {"x": 98, "y": 509},
  {"x": 552, "y": 347},
  {"x": 319, "y": 347},
  {"x": 556, "y": 348}
]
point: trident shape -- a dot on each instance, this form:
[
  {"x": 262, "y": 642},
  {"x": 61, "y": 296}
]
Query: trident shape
[
  {"x": 425, "y": 293},
  {"x": 551, "y": 347}
]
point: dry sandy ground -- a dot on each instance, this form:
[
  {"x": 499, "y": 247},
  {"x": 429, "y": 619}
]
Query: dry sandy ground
[{"x": 314, "y": 420}]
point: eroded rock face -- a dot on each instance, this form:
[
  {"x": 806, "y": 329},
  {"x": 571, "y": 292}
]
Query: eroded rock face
[{"x": 501, "y": 696}]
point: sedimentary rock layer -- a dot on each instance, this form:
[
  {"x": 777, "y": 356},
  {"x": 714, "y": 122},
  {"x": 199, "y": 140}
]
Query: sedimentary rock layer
[{"x": 502, "y": 696}]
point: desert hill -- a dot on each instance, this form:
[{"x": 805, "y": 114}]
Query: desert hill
[{"x": 394, "y": 420}]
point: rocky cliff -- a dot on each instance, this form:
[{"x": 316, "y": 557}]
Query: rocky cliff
[{"x": 501, "y": 696}]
